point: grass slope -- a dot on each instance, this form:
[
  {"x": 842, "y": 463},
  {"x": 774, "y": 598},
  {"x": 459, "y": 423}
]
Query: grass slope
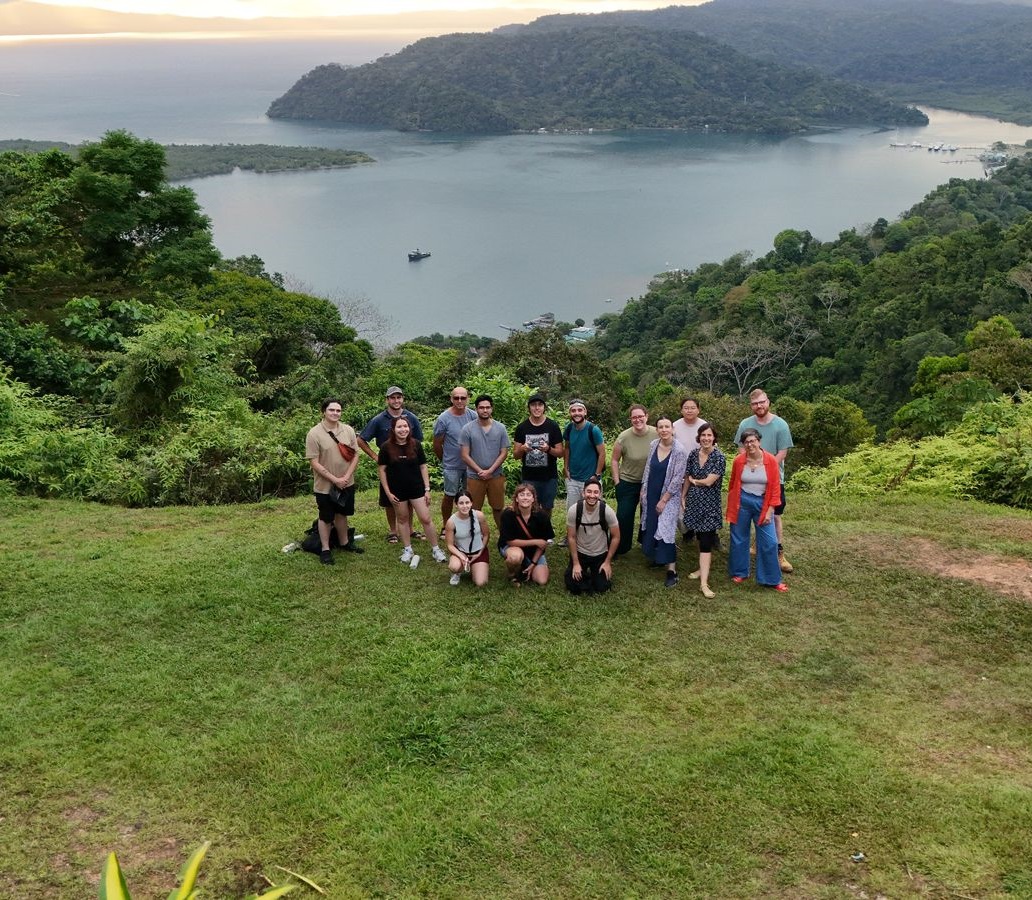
[{"x": 169, "y": 676}]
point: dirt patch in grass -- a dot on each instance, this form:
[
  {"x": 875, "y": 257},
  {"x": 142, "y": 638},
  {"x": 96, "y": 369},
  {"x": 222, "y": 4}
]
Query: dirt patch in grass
[{"x": 1002, "y": 574}]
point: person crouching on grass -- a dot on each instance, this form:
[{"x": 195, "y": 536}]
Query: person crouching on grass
[
  {"x": 406, "y": 480},
  {"x": 524, "y": 536},
  {"x": 466, "y": 536},
  {"x": 593, "y": 535}
]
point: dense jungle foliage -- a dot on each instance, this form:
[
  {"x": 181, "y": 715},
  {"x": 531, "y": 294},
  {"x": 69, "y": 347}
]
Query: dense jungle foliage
[
  {"x": 973, "y": 57},
  {"x": 602, "y": 78},
  {"x": 137, "y": 366}
]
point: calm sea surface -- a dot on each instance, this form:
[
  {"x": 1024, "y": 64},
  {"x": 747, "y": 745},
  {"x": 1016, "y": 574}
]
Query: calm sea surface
[{"x": 517, "y": 225}]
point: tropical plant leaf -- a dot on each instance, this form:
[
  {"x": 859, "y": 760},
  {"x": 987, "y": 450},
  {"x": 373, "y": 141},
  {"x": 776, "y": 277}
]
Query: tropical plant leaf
[
  {"x": 189, "y": 874},
  {"x": 307, "y": 881},
  {"x": 112, "y": 883}
]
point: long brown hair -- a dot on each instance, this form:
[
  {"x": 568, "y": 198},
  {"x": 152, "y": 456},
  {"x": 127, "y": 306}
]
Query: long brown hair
[{"x": 392, "y": 446}]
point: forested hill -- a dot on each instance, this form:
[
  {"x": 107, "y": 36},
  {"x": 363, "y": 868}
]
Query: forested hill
[
  {"x": 974, "y": 57},
  {"x": 593, "y": 77},
  {"x": 856, "y": 316}
]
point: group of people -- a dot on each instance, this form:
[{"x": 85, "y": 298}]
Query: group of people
[{"x": 672, "y": 470}]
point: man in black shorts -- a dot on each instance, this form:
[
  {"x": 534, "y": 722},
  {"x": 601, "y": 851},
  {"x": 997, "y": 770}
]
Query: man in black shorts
[{"x": 331, "y": 448}]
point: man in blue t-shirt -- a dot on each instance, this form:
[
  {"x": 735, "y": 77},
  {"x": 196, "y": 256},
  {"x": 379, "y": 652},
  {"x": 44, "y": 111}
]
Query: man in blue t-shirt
[
  {"x": 776, "y": 439},
  {"x": 584, "y": 452},
  {"x": 378, "y": 429}
]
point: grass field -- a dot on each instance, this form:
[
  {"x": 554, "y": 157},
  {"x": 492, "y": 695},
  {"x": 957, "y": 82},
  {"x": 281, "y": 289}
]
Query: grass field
[{"x": 169, "y": 676}]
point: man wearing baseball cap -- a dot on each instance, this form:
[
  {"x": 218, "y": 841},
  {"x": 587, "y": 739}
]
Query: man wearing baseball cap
[{"x": 538, "y": 445}]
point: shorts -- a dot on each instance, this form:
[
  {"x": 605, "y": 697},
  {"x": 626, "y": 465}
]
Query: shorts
[
  {"x": 493, "y": 489},
  {"x": 484, "y": 556},
  {"x": 546, "y": 491},
  {"x": 454, "y": 481},
  {"x": 543, "y": 561},
  {"x": 328, "y": 509},
  {"x": 780, "y": 508}
]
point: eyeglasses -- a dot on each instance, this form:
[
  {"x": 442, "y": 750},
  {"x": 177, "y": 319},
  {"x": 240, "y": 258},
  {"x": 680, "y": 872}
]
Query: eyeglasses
[{"x": 638, "y": 418}]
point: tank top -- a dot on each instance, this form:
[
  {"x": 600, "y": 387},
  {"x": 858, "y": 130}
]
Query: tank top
[{"x": 463, "y": 529}]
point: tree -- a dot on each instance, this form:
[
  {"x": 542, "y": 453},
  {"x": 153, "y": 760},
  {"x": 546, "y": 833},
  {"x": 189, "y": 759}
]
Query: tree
[{"x": 133, "y": 223}]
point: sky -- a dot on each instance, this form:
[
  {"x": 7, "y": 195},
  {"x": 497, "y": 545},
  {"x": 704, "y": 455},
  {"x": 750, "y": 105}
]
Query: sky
[{"x": 250, "y": 9}]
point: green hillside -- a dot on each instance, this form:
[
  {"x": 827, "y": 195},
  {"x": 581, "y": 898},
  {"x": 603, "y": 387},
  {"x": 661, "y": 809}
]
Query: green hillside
[
  {"x": 170, "y": 676},
  {"x": 973, "y": 57},
  {"x": 600, "y": 78}
]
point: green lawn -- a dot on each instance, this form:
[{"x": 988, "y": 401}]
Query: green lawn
[{"x": 169, "y": 676}]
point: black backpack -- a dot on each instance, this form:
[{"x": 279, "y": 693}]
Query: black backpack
[
  {"x": 312, "y": 544},
  {"x": 602, "y": 523}
]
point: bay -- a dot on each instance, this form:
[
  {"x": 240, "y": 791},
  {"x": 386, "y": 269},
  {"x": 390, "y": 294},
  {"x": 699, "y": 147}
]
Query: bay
[{"x": 517, "y": 225}]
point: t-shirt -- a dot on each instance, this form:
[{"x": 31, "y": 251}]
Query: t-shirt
[
  {"x": 319, "y": 445},
  {"x": 634, "y": 453},
  {"x": 404, "y": 475},
  {"x": 538, "y": 463},
  {"x": 539, "y": 526},
  {"x": 775, "y": 436},
  {"x": 450, "y": 425},
  {"x": 583, "y": 455},
  {"x": 688, "y": 434},
  {"x": 591, "y": 539},
  {"x": 378, "y": 428},
  {"x": 484, "y": 445}
]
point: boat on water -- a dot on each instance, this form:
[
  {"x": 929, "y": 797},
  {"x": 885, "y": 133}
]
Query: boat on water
[{"x": 417, "y": 254}]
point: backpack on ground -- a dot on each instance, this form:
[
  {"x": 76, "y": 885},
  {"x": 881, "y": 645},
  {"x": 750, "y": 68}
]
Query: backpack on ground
[{"x": 311, "y": 542}]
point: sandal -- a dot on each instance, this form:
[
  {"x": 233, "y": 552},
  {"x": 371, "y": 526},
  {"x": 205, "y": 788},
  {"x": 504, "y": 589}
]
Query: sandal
[
  {"x": 515, "y": 582},
  {"x": 392, "y": 538},
  {"x": 418, "y": 536}
]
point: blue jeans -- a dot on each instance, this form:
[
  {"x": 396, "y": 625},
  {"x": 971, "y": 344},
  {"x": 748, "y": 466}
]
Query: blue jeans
[{"x": 768, "y": 572}]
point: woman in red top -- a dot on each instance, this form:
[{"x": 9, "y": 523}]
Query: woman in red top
[{"x": 754, "y": 491}]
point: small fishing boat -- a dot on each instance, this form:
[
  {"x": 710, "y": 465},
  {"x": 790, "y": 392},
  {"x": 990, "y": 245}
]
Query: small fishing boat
[{"x": 417, "y": 254}]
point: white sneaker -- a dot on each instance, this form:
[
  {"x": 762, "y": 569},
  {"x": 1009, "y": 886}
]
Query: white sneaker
[
  {"x": 455, "y": 579},
  {"x": 406, "y": 555},
  {"x": 438, "y": 554}
]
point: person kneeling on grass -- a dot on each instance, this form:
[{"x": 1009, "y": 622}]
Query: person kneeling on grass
[
  {"x": 466, "y": 537},
  {"x": 406, "y": 480},
  {"x": 593, "y": 534},
  {"x": 525, "y": 534}
]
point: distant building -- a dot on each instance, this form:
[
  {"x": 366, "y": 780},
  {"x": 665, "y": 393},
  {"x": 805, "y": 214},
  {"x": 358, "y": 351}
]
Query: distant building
[{"x": 581, "y": 334}]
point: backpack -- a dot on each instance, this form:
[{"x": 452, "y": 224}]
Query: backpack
[
  {"x": 602, "y": 523},
  {"x": 311, "y": 543}
]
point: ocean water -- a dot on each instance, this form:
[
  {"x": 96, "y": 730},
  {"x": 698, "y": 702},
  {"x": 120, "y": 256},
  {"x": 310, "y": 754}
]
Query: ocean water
[{"x": 517, "y": 225}]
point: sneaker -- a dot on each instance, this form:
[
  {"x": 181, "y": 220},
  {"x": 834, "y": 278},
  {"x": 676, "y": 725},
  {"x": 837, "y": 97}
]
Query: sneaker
[
  {"x": 326, "y": 557},
  {"x": 786, "y": 566},
  {"x": 438, "y": 554},
  {"x": 671, "y": 579},
  {"x": 455, "y": 579},
  {"x": 737, "y": 579},
  {"x": 406, "y": 555},
  {"x": 352, "y": 547},
  {"x": 781, "y": 588}
]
